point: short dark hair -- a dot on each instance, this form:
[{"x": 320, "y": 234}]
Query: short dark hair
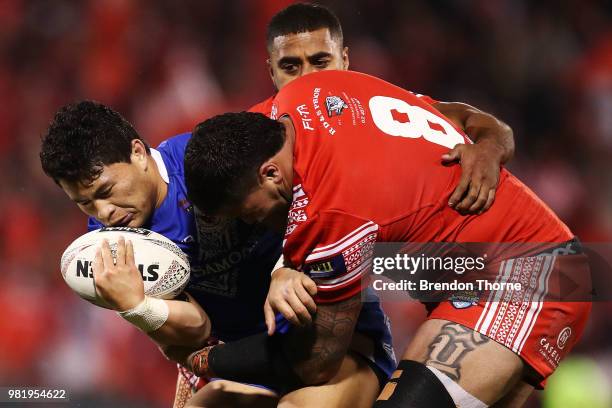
[
  {"x": 223, "y": 156},
  {"x": 82, "y": 138},
  {"x": 301, "y": 18}
]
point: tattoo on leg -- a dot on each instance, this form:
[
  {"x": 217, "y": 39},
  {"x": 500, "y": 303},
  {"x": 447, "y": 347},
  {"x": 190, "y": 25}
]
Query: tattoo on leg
[{"x": 450, "y": 347}]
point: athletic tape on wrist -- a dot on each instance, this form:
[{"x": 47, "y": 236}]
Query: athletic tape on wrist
[{"x": 149, "y": 315}]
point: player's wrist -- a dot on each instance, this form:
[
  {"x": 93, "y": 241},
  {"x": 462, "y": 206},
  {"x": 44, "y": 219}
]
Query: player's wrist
[
  {"x": 130, "y": 303},
  {"x": 280, "y": 264},
  {"x": 489, "y": 142},
  {"x": 148, "y": 315}
]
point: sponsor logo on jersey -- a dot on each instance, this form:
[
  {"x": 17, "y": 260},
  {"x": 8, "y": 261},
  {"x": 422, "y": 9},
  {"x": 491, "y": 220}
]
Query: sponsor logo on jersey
[
  {"x": 326, "y": 268},
  {"x": 304, "y": 113},
  {"x": 563, "y": 337},
  {"x": 464, "y": 299},
  {"x": 185, "y": 205},
  {"x": 551, "y": 350},
  {"x": 335, "y": 105},
  {"x": 316, "y": 94}
]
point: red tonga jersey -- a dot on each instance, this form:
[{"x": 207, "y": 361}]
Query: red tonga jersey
[
  {"x": 265, "y": 106},
  {"x": 367, "y": 168}
]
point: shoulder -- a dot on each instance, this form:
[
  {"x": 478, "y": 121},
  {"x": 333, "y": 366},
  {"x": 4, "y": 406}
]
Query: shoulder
[
  {"x": 172, "y": 151},
  {"x": 175, "y": 143},
  {"x": 264, "y": 107}
]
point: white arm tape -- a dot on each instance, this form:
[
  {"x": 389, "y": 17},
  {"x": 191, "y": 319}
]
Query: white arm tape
[
  {"x": 279, "y": 264},
  {"x": 149, "y": 315}
]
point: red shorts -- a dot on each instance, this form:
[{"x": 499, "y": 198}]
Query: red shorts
[{"x": 541, "y": 331}]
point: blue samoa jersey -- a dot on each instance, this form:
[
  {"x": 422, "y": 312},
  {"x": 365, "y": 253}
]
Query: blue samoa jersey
[{"x": 231, "y": 262}]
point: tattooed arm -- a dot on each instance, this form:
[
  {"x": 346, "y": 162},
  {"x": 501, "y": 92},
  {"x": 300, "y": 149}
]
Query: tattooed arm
[
  {"x": 304, "y": 356},
  {"x": 316, "y": 352}
]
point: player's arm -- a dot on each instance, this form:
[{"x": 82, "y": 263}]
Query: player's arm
[
  {"x": 167, "y": 322},
  {"x": 304, "y": 356},
  {"x": 481, "y": 161},
  {"x": 308, "y": 354},
  {"x": 291, "y": 294},
  {"x": 187, "y": 325}
]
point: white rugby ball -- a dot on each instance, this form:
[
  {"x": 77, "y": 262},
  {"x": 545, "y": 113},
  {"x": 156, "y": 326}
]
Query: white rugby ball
[{"x": 163, "y": 265}]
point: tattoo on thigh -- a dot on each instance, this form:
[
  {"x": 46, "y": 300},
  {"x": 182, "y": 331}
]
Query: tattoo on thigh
[{"x": 450, "y": 347}]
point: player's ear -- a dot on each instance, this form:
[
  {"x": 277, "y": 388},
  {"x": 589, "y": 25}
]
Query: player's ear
[
  {"x": 269, "y": 172},
  {"x": 345, "y": 57},
  {"x": 271, "y": 72},
  {"x": 139, "y": 153}
]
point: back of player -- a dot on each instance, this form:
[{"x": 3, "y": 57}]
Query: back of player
[
  {"x": 378, "y": 147},
  {"x": 367, "y": 169}
]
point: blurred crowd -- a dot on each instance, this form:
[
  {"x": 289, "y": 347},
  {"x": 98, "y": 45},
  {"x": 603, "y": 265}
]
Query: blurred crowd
[{"x": 543, "y": 67}]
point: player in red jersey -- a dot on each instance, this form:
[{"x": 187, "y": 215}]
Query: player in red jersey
[
  {"x": 354, "y": 160},
  {"x": 304, "y": 38}
]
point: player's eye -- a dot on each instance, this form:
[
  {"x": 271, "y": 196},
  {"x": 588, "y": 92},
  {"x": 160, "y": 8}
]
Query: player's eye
[
  {"x": 105, "y": 193},
  {"x": 84, "y": 203},
  {"x": 321, "y": 63},
  {"x": 289, "y": 68}
]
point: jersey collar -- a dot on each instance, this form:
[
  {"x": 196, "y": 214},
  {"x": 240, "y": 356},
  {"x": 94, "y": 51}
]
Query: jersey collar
[{"x": 161, "y": 166}]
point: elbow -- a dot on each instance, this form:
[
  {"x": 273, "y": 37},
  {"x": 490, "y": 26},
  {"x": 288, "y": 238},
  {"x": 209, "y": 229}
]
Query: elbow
[
  {"x": 200, "y": 334},
  {"x": 194, "y": 334}
]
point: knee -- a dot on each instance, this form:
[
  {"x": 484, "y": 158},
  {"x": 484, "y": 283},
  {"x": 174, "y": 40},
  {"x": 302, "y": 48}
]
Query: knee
[{"x": 208, "y": 396}]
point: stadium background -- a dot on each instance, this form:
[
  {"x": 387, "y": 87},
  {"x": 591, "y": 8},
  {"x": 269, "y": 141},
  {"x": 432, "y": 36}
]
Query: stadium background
[{"x": 546, "y": 69}]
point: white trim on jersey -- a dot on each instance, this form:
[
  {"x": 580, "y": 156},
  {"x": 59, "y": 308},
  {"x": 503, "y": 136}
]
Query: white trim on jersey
[
  {"x": 494, "y": 297},
  {"x": 496, "y": 308},
  {"x": 536, "y": 306},
  {"x": 161, "y": 166},
  {"x": 343, "y": 243}
]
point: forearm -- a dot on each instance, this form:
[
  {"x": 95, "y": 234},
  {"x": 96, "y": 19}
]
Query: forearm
[
  {"x": 484, "y": 128},
  {"x": 187, "y": 326},
  {"x": 306, "y": 356},
  {"x": 481, "y": 127}
]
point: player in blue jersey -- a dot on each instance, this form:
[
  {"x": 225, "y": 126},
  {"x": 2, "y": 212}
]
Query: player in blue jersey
[{"x": 104, "y": 166}]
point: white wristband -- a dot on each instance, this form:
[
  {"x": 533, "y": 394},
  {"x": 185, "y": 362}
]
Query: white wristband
[
  {"x": 149, "y": 315},
  {"x": 279, "y": 264}
]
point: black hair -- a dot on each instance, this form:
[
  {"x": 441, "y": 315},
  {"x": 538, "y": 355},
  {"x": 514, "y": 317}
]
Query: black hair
[
  {"x": 223, "y": 157},
  {"x": 301, "y": 18},
  {"x": 82, "y": 138}
]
